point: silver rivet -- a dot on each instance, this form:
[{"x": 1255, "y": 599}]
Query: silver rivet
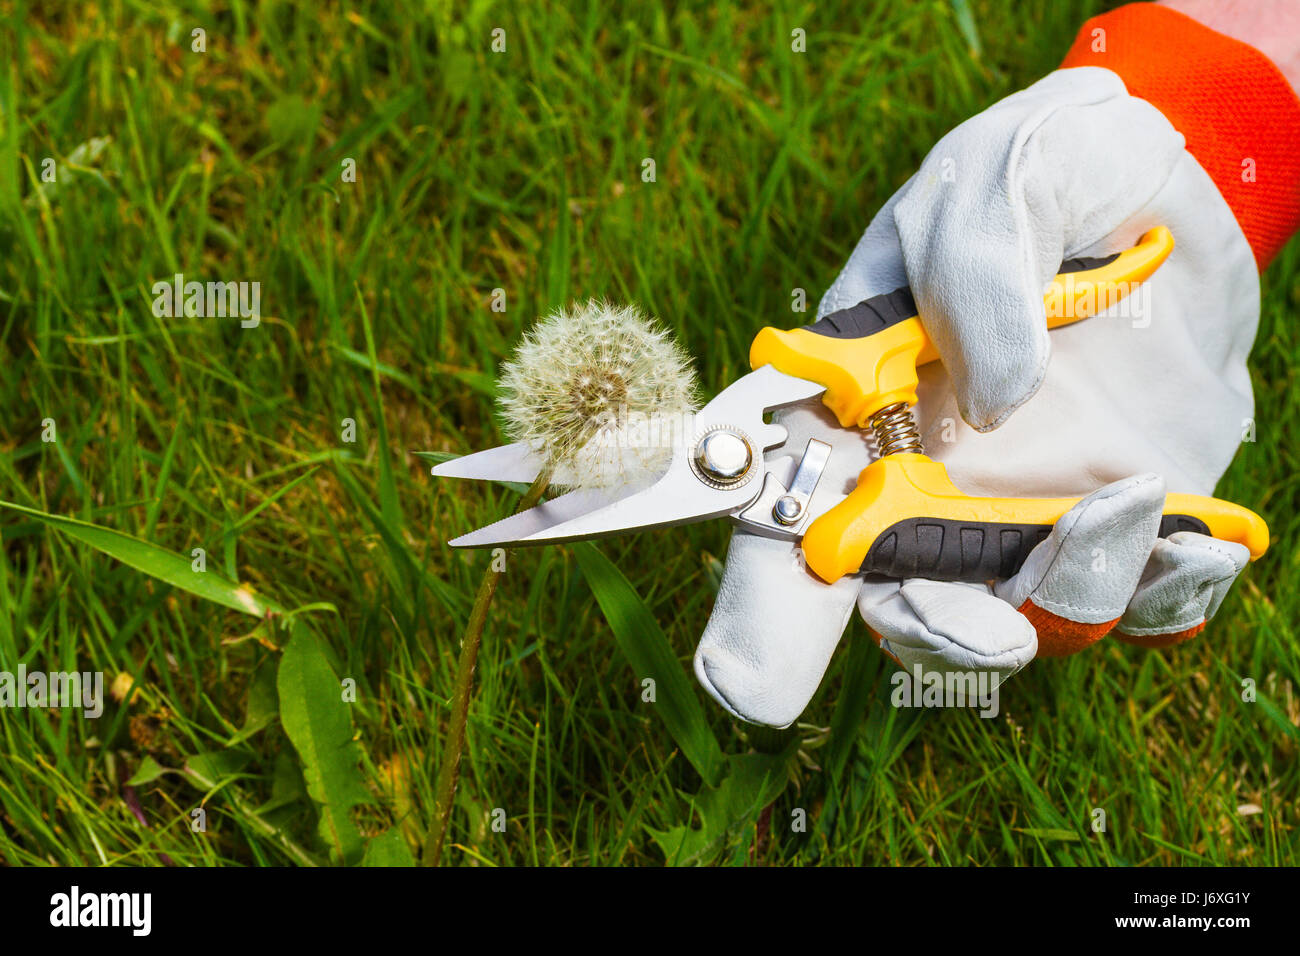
[
  {"x": 724, "y": 456},
  {"x": 787, "y": 509}
]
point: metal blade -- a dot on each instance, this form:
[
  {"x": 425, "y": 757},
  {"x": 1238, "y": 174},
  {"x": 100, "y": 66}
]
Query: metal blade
[
  {"x": 748, "y": 398},
  {"x": 514, "y": 462},
  {"x": 521, "y": 527},
  {"x": 520, "y": 462},
  {"x": 679, "y": 496}
]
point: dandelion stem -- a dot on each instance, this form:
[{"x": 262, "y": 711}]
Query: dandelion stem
[{"x": 449, "y": 772}]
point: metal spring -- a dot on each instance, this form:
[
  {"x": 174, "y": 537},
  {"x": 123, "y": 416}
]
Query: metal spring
[{"x": 895, "y": 430}]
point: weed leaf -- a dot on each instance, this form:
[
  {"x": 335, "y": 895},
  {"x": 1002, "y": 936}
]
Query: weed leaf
[
  {"x": 752, "y": 782},
  {"x": 319, "y": 724},
  {"x": 388, "y": 849}
]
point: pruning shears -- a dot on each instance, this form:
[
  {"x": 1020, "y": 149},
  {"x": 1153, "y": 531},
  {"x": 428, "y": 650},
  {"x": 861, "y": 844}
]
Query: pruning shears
[{"x": 905, "y": 518}]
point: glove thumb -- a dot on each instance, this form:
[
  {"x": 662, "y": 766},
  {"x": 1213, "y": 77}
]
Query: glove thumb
[
  {"x": 773, "y": 630},
  {"x": 996, "y": 206}
]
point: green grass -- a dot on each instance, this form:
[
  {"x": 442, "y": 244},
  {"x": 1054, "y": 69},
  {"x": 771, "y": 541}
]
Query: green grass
[{"x": 520, "y": 171}]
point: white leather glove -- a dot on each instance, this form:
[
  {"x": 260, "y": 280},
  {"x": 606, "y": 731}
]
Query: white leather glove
[{"x": 1149, "y": 397}]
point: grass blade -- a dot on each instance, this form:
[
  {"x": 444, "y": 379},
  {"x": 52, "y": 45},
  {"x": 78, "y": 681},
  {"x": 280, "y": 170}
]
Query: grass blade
[
  {"x": 157, "y": 562},
  {"x": 647, "y": 649}
]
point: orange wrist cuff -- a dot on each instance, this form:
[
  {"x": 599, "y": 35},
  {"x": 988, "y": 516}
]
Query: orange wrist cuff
[
  {"x": 1237, "y": 112},
  {"x": 1059, "y": 636},
  {"x": 1157, "y": 641}
]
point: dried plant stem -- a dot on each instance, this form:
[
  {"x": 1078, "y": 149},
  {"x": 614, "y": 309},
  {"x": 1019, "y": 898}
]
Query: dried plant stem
[{"x": 449, "y": 772}]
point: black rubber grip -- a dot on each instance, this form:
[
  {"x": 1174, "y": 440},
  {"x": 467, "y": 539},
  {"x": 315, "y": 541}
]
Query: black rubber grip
[
  {"x": 1085, "y": 263},
  {"x": 881, "y": 311},
  {"x": 867, "y": 317},
  {"x": 942, "y": 549}
]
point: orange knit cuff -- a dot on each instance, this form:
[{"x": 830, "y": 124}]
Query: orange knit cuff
[
  {"x": 1156, "y": 641},
  {"x": 1235, "y": 109},
  {"x": 1059, "y": 636}
]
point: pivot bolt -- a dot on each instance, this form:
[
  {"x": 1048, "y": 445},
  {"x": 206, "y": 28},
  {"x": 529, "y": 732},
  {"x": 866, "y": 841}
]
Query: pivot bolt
[
  {"x": 723, "y": 456},
  {"x": 787, "y": 509}
]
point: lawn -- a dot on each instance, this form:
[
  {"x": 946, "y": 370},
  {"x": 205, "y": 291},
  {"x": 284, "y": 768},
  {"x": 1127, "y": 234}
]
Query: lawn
[{"x": 387, "y": 178}]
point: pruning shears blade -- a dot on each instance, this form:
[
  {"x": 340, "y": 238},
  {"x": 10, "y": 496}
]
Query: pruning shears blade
[
  {"x": 683, "y": 494},
  {"x": 514, "y": 462},
  {"x": 676, "y": 498},
  {"x": 746, "y": 400},
  {"x": 521, "y": 527}
]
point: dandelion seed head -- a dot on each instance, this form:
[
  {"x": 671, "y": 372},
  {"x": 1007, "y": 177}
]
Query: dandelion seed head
[{"x": 581, "y": 385}]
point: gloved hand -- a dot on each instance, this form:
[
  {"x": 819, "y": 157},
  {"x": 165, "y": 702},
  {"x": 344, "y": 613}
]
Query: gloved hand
[{"x": 1152, "y": 396}]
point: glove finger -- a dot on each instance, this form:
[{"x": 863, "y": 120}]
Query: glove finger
[
  {"x": 772, "y": 631},
  {"x": 947, "y": 627},
  {"x": 1185, "y": 581},
  {"x": 1076, "y": 583},
  {"x": 996, "y": 206}
]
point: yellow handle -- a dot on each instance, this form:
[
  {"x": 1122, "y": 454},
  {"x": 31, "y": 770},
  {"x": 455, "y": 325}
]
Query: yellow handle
[
  {"x": 868, "y": 358},
  {"x": 907, "y": 519}
]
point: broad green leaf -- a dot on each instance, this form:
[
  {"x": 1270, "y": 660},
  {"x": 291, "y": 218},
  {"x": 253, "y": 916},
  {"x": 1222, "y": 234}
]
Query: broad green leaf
[
  {"x": 157, "y": 562},
  {"x": 263, "y": 703},
  {"x": 752, "y": 782},
  {"x": 319, "y": 724},
  {"x": 388, "y": 849},
  {"x": 647, "y": 649},
  {"x": 211, "y": 766},
  {"x": 148, "y": 771},
  {"x": 286, "y": 784}
]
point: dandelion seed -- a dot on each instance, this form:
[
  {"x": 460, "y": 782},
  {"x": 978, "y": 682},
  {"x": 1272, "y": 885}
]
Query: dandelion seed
[{"x": 599, "y": 390}]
